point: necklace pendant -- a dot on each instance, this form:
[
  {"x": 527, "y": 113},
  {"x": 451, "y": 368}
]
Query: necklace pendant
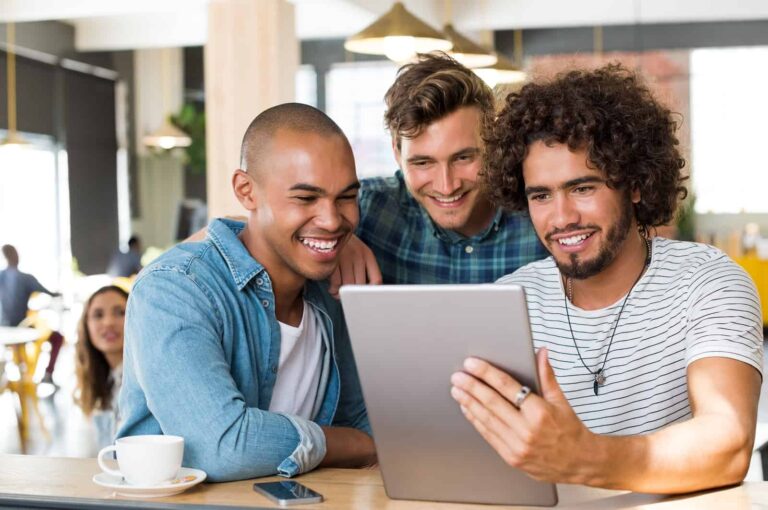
[
  {"x": 599, "y": 377},
  {"x": 599, "y": 381}
]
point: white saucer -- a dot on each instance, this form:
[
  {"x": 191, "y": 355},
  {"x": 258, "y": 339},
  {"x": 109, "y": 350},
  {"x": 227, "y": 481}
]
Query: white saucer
[{"x": 185, "y": 478}]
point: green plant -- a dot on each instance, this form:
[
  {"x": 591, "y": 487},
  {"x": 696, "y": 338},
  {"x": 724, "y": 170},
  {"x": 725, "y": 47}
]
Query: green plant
[
  {"x": 686, "y": 219},
  {"x": 191, "y": 119}
]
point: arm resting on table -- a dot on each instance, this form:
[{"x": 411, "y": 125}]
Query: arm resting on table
[
  {"x": 177, "y": 370},
  {"x": 712, "y": 449}
]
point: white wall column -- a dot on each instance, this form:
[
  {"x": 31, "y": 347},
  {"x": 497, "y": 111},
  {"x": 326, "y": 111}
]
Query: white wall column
[
  {"x": 158, "y": 87},
  {"x": 251, "y": 60}
]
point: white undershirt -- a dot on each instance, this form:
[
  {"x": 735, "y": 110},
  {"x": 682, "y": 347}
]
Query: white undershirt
[{"x": 299, "y": 368}]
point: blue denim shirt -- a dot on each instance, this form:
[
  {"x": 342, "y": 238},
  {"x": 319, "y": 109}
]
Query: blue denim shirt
[{"x": 202, "y": 346}]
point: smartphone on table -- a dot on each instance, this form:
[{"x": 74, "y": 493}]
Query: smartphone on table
[{"x": 288, "y": 492}]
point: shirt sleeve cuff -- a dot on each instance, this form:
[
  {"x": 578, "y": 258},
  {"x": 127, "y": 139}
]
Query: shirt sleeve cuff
[{"x": 310, "y": 450}]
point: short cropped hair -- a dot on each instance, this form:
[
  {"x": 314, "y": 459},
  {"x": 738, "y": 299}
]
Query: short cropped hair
[
  {"x": 430, "y": 89},
  {"x": 608, "y": 112},
  {"x": 292, "y": 116}
]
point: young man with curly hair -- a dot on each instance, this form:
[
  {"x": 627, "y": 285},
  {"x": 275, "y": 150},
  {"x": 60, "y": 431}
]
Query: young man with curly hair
[
  {"x": 650, "y": 350},
  {"x": 431, "y": 222}
]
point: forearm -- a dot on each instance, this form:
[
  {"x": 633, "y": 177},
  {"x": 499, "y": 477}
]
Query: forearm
[
  {"x": 348, "y": 448},
  {"x": 704, "y": 452}
]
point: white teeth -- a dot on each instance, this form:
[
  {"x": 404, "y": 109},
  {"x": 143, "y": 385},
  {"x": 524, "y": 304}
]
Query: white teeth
[
  {"x": 570, "y": 241},
  {"x": 448, "y": 200},
  {"x": 320, "y": 245}
]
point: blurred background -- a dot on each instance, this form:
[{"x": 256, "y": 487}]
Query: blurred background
[{"x": 123, "y": 119}]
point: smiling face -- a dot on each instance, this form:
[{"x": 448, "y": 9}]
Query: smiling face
[
  {"x": 105, "y": 321},
  {"x": 583, "y": 223},
  {"x": 441, "y": 167},
  {"x": 303, "y": 204}
]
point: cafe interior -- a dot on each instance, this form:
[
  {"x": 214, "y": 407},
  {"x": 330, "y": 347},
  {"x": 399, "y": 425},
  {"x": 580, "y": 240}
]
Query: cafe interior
[{"x": 122, "y": 120}]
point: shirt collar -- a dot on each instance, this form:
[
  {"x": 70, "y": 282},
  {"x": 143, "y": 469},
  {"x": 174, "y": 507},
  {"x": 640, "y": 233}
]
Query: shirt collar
[
  {"x": 454, "y": 237},
  {"x": 223, "y": 234}
]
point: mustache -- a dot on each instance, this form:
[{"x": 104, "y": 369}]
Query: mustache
[{"x": 572, "y": 227}]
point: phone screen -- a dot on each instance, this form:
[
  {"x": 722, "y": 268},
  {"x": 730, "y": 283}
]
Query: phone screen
[{"x": 288, "y": 492}]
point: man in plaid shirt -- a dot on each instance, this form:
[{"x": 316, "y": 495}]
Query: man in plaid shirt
[{"x": 432, "y": 222}]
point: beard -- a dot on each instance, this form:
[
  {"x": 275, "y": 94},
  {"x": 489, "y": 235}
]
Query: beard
[{"x": 579, "y": 269}]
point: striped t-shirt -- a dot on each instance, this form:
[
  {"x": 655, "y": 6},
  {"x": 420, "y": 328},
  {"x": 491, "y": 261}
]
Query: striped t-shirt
[{"x": 692, "y": 302}]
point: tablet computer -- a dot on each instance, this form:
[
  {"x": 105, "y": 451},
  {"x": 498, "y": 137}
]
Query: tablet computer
[{"x": 407, "y": 341}]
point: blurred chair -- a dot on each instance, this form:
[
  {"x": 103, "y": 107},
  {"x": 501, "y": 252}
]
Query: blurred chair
[
  {"x": 757, "y": 268},
  {"x": 3, "y": 377},
  {"x": 27, "y": 358}
]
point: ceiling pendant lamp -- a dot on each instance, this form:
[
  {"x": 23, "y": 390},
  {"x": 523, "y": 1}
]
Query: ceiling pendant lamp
[
  {"x": 504, "y": 71},
  {"x": 13, "y": 138},
  {"x": 167, "y": 136},
  {"x": 467, "y": 51},
  {"x": 399, "y": 35}
]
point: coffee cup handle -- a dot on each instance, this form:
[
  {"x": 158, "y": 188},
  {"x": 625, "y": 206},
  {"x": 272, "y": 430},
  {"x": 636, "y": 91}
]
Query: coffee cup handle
[{"x": 103, "y": 466}]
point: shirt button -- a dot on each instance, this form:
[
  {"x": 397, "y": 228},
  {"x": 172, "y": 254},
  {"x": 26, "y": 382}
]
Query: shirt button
[
  {"x": 265, "y": 303},
  {"x": 259, "y": 281},
  {"x": 274, "y": 369},
  {"x": 469, "y": 249}
]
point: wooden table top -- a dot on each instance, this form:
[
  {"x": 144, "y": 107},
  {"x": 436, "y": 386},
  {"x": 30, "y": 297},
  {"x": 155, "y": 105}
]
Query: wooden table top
[{"x": 57, "y": 478}]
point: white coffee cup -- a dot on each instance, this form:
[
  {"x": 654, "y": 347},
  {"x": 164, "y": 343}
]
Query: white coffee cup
[{"x": 145, "y": 460}]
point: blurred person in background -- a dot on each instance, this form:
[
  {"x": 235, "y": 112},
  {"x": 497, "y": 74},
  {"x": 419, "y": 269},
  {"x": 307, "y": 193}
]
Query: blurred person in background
[
  {"x": 15, "y": 289},
  {"x": 99, "y": 363},
  {"x": 126, "y": 263}
]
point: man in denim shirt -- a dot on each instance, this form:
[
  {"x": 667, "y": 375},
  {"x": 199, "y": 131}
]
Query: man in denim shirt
[{"x": 206, "y": 355}]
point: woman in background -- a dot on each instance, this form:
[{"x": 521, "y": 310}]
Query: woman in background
[{"x": 99, "y": 364}]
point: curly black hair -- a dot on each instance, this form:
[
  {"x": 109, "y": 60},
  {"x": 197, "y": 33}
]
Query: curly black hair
[{"x": 608, "y": 112}]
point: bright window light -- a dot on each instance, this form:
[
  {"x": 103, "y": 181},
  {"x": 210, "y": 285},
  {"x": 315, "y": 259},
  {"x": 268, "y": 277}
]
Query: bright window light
[
  {"x": 306, "y": 85},
  {"x": 29, "y": 210},
  {"x": 355, "y": 100},
  {"x": 729, "y": 106}
]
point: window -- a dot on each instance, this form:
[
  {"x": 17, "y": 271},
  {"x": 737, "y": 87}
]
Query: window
[
  {"x": 29, "y": 209},
  {"x": 355, "y": 100},
  {"x": 306, "y": 85},
  {"x": 729, "y": 106}
]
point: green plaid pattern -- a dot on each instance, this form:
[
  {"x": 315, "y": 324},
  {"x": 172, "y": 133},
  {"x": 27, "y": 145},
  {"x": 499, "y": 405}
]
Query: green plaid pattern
[{"x": 410, "y": 248}]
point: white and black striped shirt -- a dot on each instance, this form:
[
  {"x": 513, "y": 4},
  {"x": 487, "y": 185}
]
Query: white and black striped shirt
[{"x": 692, "y": 302}]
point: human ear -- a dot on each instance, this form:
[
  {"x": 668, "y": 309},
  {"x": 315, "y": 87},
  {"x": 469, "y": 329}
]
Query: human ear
[{"x": 245, "y": 189}]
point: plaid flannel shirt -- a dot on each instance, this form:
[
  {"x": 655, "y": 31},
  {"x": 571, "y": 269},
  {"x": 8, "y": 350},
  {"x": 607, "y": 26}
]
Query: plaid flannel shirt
[{"x": 411, "y": 248}]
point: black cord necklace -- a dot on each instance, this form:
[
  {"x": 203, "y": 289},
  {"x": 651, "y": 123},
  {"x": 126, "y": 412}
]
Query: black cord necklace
[{"x": 599, "y": 374}]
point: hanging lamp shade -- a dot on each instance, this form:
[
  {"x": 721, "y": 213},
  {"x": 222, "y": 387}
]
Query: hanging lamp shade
[
  {"x": 13, "y": 139},
  {"x": 167, "y": 136},
  {"x": 467, "y": 51},
  {"x": 503, "y": 71},
  {"x": 399, "y": 35}
]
